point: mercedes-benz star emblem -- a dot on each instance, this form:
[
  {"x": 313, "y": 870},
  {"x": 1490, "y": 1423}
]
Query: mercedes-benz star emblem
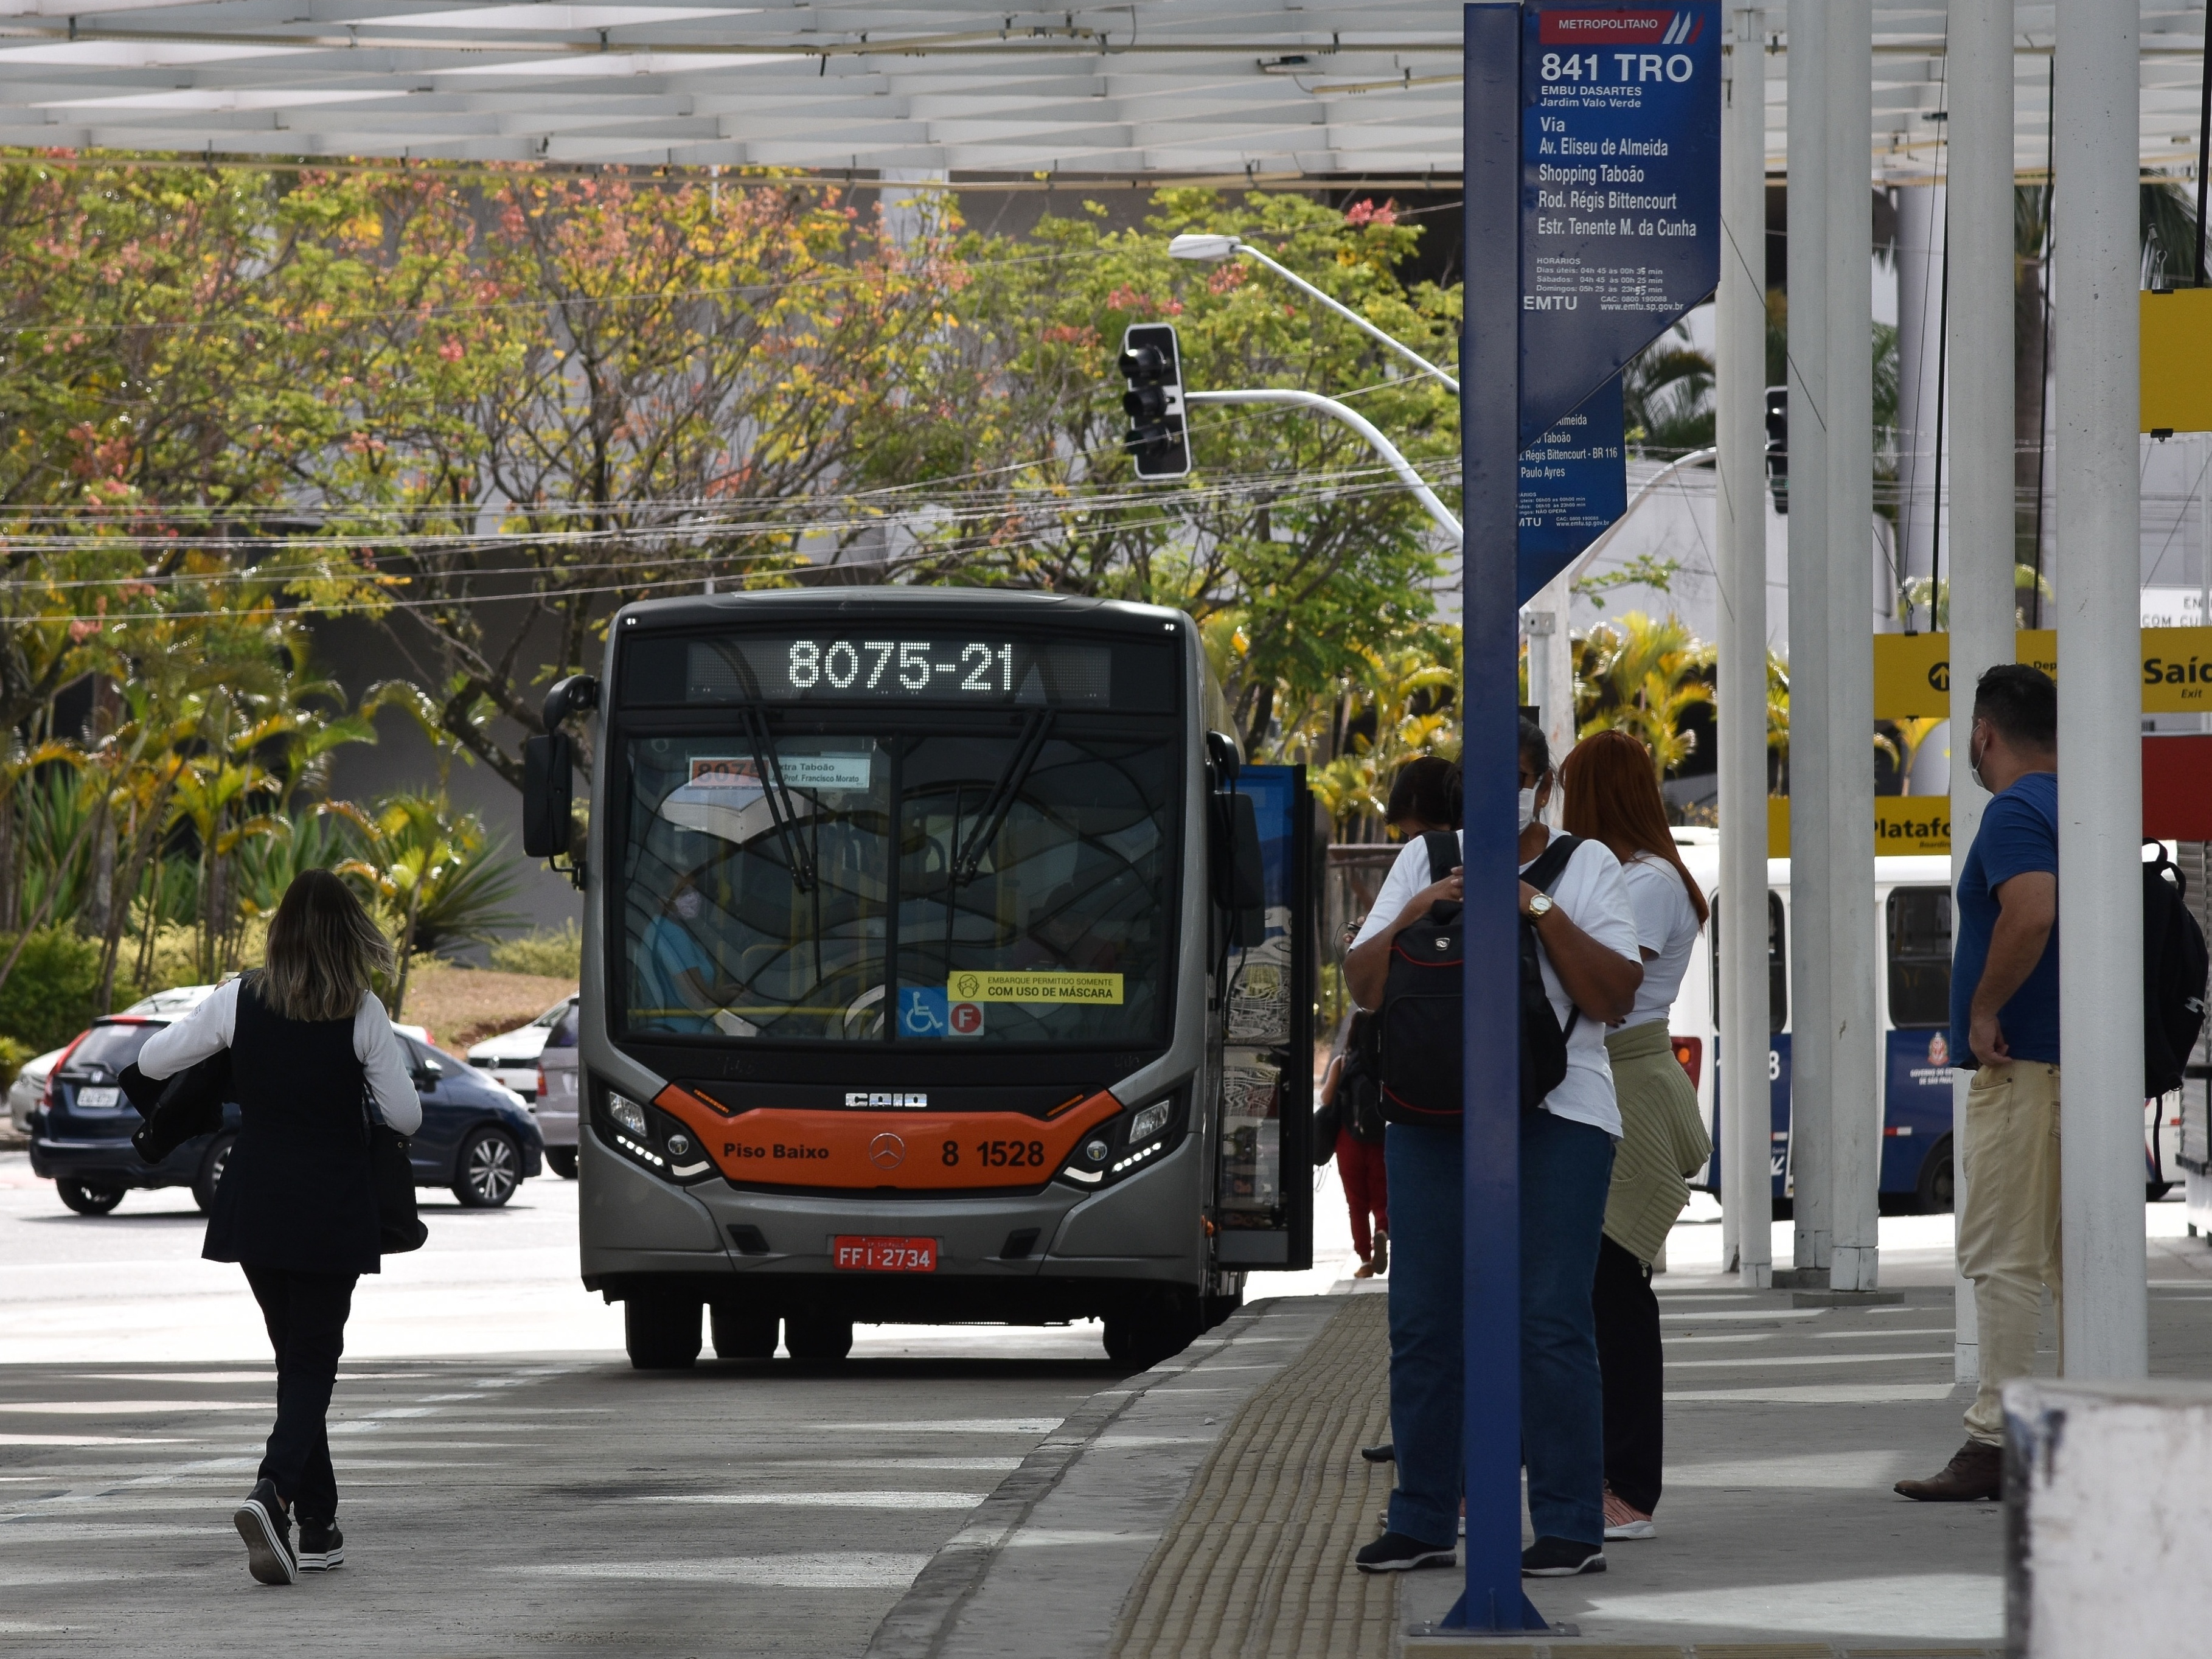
[{"x": 887, "y": 1151}]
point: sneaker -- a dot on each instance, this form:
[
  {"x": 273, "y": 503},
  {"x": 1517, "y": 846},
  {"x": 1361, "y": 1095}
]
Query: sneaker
[
  {"x": 1975, "y": 1475},
  {"x": 265, "y": 1526},
  {"x": 1623, "y": 1519},
  {"x": 322, "y": 1545},
  {"x": 1394, "y": 1551},
  {"x": 1381, "y": 1251},
  {"x": 1561, "y": 1558}
]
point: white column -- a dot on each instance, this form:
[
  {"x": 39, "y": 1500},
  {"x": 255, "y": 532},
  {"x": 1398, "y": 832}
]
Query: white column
[
  {"x": 1550, "y": 665},
  {"x": 1809, "y": 697},
  {"x": 1854, "y": 1040},
  {"x": 1747, "y": 1109},
  {"x": 1981, "y": 443},
  {"x": 1921, "y": 373},
  {"x": 2100, "y": 703}
]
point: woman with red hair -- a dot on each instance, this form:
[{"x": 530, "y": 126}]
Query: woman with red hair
[{"x": 1612, "y": 797}]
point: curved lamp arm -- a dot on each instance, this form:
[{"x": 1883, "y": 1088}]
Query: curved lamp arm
[{"x": 1359, "y": 424}]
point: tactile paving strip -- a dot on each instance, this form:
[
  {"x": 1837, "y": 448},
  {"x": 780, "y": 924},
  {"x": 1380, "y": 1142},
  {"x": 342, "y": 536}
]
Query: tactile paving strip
[{"x": 1258, "y": 1561}]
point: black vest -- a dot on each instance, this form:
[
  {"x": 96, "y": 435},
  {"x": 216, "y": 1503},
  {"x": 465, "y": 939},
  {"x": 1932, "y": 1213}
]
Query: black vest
[{"x": 296, "y": 1193}]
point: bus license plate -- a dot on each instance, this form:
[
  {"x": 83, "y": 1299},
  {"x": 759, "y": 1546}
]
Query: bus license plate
[{"x": 883, "y": 1255}]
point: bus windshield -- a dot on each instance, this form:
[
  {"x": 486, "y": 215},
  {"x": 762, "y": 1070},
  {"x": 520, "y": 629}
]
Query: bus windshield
[{"x": 907, "y": 880}]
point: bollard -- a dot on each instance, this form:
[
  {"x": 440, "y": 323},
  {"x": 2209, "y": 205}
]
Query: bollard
[{"x": 2108, "y": 1502}]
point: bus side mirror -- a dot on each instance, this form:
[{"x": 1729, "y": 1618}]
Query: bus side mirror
[{"x": 549, "y": 764}]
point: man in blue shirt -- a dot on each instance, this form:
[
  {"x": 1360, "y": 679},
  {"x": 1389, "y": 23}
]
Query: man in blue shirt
[{"x": 2005, "y": 1023}]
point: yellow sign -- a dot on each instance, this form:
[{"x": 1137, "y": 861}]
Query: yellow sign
[
  {"x": 1912, "y": 672},
  {"x": 1903, "y": 824},
  {"x": 992, "y": 985},
  {"x": 2177, "y": 360}
]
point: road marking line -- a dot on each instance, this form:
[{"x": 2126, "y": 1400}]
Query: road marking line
[
  {"x": 827, "y": 1500},
  {"x": 853, "y": 1570}
]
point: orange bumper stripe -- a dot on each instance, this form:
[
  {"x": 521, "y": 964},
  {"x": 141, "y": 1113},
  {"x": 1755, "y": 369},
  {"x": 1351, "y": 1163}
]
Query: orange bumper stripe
[{"x": 906, "y": 1151}]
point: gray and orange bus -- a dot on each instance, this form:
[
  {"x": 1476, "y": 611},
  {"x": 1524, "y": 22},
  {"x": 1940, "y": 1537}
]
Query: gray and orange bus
[{"x": 942, "y": 962}]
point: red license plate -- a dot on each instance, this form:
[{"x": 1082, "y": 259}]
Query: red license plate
[{"x": 883, "y": 1255}]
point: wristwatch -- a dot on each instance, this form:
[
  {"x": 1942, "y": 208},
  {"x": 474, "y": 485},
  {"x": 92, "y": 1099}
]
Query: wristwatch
[{"x": 1540, "y": 906}]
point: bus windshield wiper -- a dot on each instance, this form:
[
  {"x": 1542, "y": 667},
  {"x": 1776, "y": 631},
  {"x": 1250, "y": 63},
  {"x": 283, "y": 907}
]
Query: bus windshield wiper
[
  {"x": 782, "y": 809},
  {"x": 1001, "y": 800}
]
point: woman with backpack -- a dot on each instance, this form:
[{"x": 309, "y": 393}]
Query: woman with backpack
[
  {"x": 1425, "y": 797},
  {"x": 1613, "y": 799},
  {"x": 311, "y": 1048},
  {"x": 1580, "y": 973}
]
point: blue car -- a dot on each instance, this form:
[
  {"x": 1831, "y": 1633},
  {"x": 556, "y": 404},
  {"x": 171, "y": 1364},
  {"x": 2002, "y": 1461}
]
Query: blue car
[{"x": 478, "y": 1138}]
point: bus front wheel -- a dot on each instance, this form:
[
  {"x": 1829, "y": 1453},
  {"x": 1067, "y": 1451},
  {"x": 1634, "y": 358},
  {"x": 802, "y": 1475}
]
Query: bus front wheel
[
  {"x": 1936, "y": 1184},
  {"x": 661, "y": 1332},
  {"x": 739, "y": 1335},
  {"x": 1142, "y": 1334},
  {"x": 813, "y": 1337}
]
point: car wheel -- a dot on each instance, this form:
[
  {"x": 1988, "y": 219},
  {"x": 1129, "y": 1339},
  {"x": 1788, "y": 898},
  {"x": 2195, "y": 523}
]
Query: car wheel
[
  {"x": 740, "y": 1334},
  {"x": 1938, "y": 1187},
  {"x": 661, "y": 1332},
  {"x": 88, "y": 1199},
  {"x": 210, "y": 1174},
  {"x": 562, "y": 1160},
  {"x": 487, "y": 1171},
  {"x": 817, "y": 1337}
]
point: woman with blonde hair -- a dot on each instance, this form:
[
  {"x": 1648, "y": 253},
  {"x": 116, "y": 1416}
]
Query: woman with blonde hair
[
  {"x": 1612, "y": 797},
  {"x": 311, "y": 1048}
]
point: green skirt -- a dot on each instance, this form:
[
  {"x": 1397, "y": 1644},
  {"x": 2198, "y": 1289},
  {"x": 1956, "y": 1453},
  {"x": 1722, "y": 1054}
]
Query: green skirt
[{"x": 1662, "y": 1139}]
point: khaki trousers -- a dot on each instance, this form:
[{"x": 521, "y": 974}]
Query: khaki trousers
[{"x": 2008, "y": 1236}]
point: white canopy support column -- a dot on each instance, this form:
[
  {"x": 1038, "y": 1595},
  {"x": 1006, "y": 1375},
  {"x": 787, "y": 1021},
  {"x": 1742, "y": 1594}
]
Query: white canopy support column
[
  {"x": 2101, "y": 979},
  {"x": 1745, "y": 1111},
  {"x": 1809, "y": 627},
  {"x": 1979, "y": 245},
  {"x": 1855, "y": 1110}
]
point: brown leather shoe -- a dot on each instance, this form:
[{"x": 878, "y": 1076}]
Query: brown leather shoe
[{"x": 1975, "y": 1475}]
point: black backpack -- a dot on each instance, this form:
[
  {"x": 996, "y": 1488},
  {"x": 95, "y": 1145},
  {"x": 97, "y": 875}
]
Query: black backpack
[
  {"x": 1359, "y": 1088},
  {"x": 2174, "y": 971},
  {"x": 1422, "y": 1035}
]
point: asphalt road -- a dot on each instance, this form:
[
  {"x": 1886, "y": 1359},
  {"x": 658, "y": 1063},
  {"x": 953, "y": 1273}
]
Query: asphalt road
[{"x": 508, "y": 1484}]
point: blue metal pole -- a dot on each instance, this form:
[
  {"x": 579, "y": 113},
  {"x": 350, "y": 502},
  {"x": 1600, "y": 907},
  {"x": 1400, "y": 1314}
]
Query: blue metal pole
[{"x": 1490, "y": 405}]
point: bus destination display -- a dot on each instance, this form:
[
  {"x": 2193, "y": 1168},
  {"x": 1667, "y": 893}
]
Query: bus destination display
[{"x": 827, "y": 667}]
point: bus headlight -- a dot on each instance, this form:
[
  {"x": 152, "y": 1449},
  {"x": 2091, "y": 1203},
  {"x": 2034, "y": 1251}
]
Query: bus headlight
[
  {"x": 1122, "y": 1145},
  {"x": 650, "y": 1137},
  {"x": 628, "y": 1114}
]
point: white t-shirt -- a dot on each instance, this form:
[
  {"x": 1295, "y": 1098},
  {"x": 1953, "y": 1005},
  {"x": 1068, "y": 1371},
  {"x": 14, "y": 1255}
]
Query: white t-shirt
[
  {"x": 1590, "y": 890},
  {"x": 1667, "y": 926}
]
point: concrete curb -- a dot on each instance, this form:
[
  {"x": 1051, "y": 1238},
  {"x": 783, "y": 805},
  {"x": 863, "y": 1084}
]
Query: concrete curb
[{"x": 1078, "y": 1616}]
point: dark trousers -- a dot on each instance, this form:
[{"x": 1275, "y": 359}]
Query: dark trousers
[
  {"x": 306, "y": 1314},
  {"x": 1629, "y": 1354}
]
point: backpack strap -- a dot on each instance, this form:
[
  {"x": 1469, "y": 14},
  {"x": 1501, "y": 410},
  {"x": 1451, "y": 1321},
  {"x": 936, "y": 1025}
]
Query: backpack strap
[
  {"x": 1551, "y": 863},
  {"x": 1443, "y": 853}
]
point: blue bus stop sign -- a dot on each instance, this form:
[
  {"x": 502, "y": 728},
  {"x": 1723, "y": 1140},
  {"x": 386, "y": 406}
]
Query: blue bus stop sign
[
  {"x": 1593, "y": 224},
  {"x": 1574, "y": 482},
  {"x": 1621, "y": 189}
]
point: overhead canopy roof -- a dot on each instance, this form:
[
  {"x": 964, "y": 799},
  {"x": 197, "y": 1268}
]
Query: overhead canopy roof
[{"x": 1262, "y": 89}]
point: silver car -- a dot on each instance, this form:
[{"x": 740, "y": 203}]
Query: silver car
[
  {"x": 511, "y": 1057},
  {"x": 556, "y": 1103}
]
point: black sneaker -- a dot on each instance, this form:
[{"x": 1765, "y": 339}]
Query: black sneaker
[
  {"x": 322, "y": 1545},
  {"x": 265, "y": 1526},
  {"x": 1394, "y": 1551},
  {"x": 1561, "y": 1558}
]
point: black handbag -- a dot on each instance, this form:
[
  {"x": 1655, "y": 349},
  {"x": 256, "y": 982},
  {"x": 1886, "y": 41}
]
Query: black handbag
[
  {"x": 391, "y": 1174},
  {"x": 176, "y": 1108}
]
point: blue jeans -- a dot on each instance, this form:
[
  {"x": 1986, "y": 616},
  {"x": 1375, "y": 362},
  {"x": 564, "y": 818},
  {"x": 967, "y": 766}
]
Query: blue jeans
[{"x": 1566, "y": 1171}]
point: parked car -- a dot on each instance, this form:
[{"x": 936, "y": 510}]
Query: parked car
[
  {"x": 477, "y": 1139},
  {"x": 30, "y": 1087},
  {"x": 512, "y": 1057},
  {"x": 556, "y": 1103}
]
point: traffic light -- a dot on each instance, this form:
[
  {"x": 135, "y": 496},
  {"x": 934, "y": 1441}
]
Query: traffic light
[
  {"x": 1156, "y": 440},
  {"x": 1777, "y": 446}
]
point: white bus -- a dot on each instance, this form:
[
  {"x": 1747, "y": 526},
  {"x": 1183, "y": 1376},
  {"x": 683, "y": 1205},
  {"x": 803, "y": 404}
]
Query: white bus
[{"x": 1911, "y": 920}]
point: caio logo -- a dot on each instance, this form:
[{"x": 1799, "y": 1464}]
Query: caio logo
[{"x": 887, "y": 1151}]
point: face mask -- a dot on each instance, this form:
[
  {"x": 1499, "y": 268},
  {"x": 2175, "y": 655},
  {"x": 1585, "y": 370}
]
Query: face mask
[
  {"x": 1528, "y": 807},
  {"x": 1974, "y": 769},
  {"x": 688, "y": 904}
]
